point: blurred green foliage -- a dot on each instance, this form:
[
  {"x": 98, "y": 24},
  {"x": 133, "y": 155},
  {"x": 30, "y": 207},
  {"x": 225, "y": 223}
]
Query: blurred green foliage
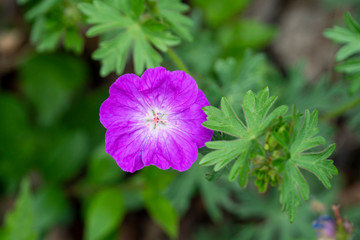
[
  {"x": 53, "y": 165},
  {"x": 54, "y": 22},
  {"x": 21, "y": 222}
]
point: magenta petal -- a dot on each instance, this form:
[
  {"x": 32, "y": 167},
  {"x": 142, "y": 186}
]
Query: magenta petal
[
  {"x": 124, "y": 143},
  {"x": 155, "y": 120},
  {"x": 124, "y": 102},
  {"x": 190, "y": 120},
  {"x": 170, "y": 149},
  {"x": 172, "y": 90},
  {"x": 125, "y": 87},
  {"x": 114, "y": 110}
]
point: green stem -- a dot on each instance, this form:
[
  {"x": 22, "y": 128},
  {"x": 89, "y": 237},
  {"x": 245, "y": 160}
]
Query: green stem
[
  {"x": 178, "y": 62},
  {"x": 341, "y": 110}
]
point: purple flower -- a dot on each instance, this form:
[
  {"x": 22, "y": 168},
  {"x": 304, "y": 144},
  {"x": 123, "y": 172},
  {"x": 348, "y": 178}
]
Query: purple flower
[
  {"x": 155, "y": 120},
  {"x": 325, "y": 227}
]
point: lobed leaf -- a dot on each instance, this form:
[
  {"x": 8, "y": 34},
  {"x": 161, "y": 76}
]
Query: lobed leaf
[
  {"x": 347, "y": 55},
  {"x": 224, "y": 120},
  {"x": 315, "y": 162},
  {"x": 54, "y": 23},
  {"x": 172, "y": 11},
  {"x": 256, "y": 108},
  {"x": 122, "y": 29}
]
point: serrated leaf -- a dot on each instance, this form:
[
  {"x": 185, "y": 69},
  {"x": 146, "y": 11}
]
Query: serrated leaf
[
  {"x": 240, "y": 168},
  {"x": 315, "y": 162},
  {"x": 224, "y": 120},
  {"x": 347, "y": 51},
  {"x": 144, "y": 54},
  {"x": 40, "y": 8},
  {"x": 235, "y": 78},
  {"x": 350, "y": 38},
  {"x": 104, "y": 16},
  {"x": 172, "y": 11},
  {"x": 340, "y": 35},
  {"x": 226, "y": 151},
  {"x": 105, "y": 212},
  {"x": 121, "y": 28},
  {"x": 53, "y": 24},
  {"x": 350, "y": 66},
  {"x": 351, "y": 23},
  {"x": 256, "y": 108}
]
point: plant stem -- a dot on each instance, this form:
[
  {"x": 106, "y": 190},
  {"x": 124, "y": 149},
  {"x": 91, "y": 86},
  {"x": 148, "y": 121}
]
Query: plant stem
[
  {"x": 341, "y": 110},
  {"x": 178, "y": 62}
]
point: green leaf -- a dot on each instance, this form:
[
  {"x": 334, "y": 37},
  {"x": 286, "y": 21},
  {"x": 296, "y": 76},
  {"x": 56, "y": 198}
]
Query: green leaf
[
  {"x": 144, "y": 54},
  {"x": 256, "y": 112},
  {"x": 350, "y": 38},
  {"x": 294, "y": 185},
  {"x": 18, "y": 141},
  {"x": 235, "y": 78},
  {"x": 224, "y": 120},
  {"x": 52, "y": 208},
  {"x": 39, "y": 9},
  {"x": 161, "y": 210},
  {"x": 105, "y": 213},
  {"x": 54, "y": 22},
  {"x": 240, "y": 168},
  {"x": 20, "y": 223},
  {"x": 65, "y": 157},
  {"x": 104, "y": 16},
  {"x": 276, "y": 225},
  {"x": 50, "y": 82},
  {"x": 297, "y": 90},
  {"x": 122, "y": 29},
  {"x": 244, "y": 34},
  {"x": 102, "y": 168},
  {"x": 172, "y": 11},
  {"x": 351, "y": 23},
  {"x": 355, "y": 83},
  {"x": 74, "y": 41},
  {"x": 351, "y": 66},
  {"x": 214, "y": 194},
  {"x": 217, "y": 12}
]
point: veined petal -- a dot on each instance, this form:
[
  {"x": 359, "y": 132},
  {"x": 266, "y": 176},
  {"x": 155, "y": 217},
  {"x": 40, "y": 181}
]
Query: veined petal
[
  {"x": 175, "y": 90},
  {"x": 155, "y": 120},
  {"x": 125, "y": 89},
  {"x": 170, "y": 149},
  {"x": 114, "y": 109},
  {"x": 189, "y": 121},
  {"x": 124, "y": 143}
]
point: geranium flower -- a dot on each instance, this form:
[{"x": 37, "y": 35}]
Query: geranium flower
[{"x": 155, "y": 120}]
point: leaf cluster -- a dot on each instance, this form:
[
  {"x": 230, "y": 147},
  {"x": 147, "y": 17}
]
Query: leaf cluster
[
  {"x": 348, "y": 55},
  {"x": 271, "y": 146},
  {"x": 54, "y": 22},
  {"x": 141, "y": 27}
]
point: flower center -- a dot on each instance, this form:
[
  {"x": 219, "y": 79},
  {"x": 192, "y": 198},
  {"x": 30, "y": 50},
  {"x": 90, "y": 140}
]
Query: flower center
[{"x": 156, "y": 120}]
